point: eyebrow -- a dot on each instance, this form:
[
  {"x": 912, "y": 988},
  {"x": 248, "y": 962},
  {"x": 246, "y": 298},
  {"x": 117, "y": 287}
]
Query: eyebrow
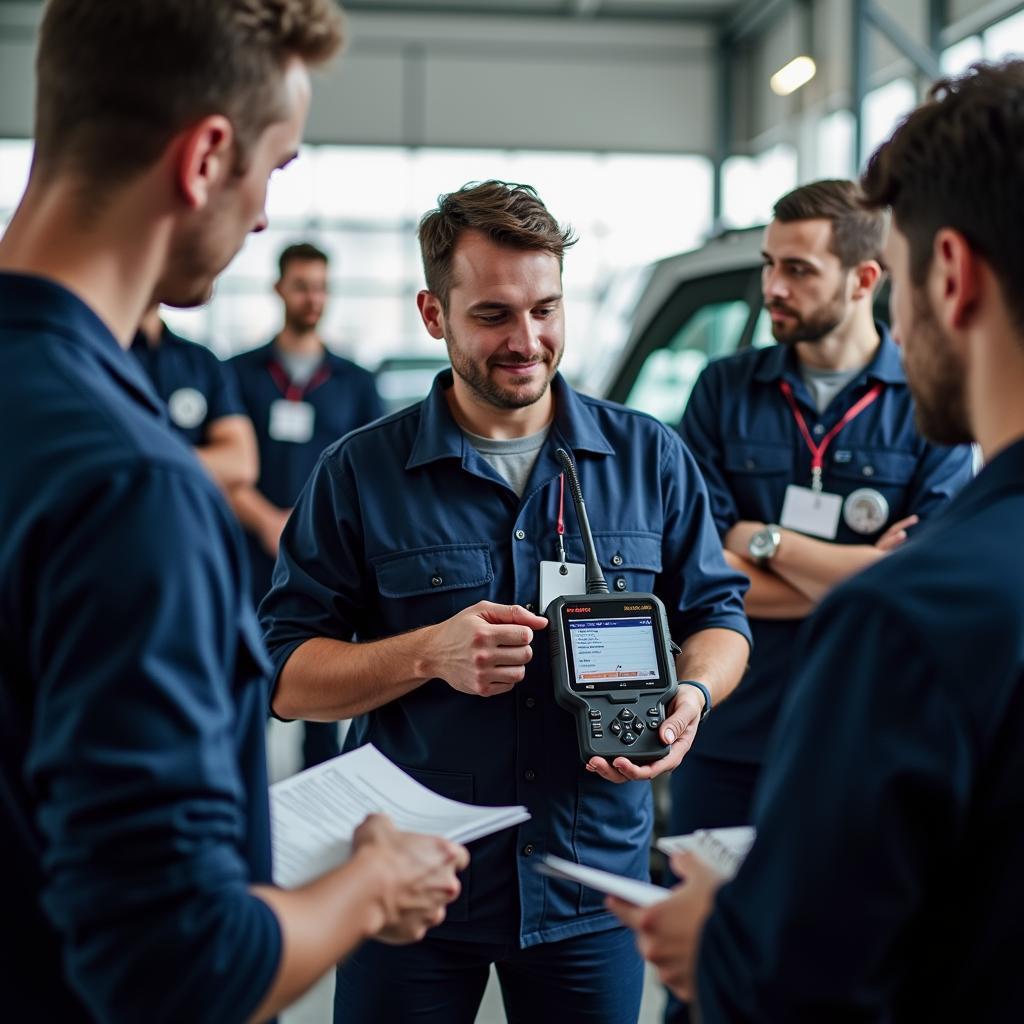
[
  {"x": 489, "y": 304},
  {"x": 791, "y": 260}
]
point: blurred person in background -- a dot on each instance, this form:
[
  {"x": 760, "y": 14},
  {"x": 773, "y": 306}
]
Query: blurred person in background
[
  {"x": 202, "y": 400},
  {"x": 300, "y": 397}
]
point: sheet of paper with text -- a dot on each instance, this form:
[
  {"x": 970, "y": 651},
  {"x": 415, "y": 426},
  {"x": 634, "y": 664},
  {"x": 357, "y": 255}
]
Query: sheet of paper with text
[{"x": 314, "y": 814}]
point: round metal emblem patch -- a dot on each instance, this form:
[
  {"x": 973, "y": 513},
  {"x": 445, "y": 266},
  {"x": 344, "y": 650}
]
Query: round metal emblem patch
[
  {"x": 865, "y": 511},
  {"x": 187, "y": 408}
]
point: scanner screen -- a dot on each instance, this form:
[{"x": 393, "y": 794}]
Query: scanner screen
[{"x": 614, "y": 653}]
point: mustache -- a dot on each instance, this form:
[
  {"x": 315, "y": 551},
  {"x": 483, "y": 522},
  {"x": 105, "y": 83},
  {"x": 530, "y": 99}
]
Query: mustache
[{"x": 780, "y": 307}]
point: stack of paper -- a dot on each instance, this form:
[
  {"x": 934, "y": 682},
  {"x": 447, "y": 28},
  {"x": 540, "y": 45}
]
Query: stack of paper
[
  {"x": 722, "y": 849},
  {"x": 314, "y": 814}
]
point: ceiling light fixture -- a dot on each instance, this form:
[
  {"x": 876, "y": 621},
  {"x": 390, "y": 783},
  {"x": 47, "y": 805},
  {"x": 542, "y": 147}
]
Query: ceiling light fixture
[{"x": 799, "y": 71}]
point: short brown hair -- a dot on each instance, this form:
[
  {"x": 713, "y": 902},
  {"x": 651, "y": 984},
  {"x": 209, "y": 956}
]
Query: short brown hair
[
  {"x": 118, "y": 78},
  {"x": 957, "y": 162},
  {"x": 858, "y": 233},
  {"x": 300, "y": 251},
  {"x": 507, "y": 214}
]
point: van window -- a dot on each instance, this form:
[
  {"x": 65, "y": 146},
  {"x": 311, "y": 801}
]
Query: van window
[
  {"x": 663, "y": 385},
  {"x": 762, "y": 336}
]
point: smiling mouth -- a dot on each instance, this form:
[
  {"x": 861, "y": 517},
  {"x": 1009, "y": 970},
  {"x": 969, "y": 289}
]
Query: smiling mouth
[{"x": 518, "y": 368}]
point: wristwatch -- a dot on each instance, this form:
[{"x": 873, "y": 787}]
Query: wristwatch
[{"x": 765, "y": 543}]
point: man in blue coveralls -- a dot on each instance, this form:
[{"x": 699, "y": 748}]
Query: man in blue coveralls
[
  {"x": 202, "y": 400},
  {"x": 885, "y": 883},
  {"x": 133, "y": 690},
  {"x": 421, "y": 535},
  {"x": 814, "y": 467},
  {"x": 300, "y": 397}
]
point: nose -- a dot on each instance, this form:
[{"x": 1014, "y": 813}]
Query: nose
[
  {"x": 524, "y": 337},
  {"x": 261, "y": 222},
  {"x": 772, "y": 284}
]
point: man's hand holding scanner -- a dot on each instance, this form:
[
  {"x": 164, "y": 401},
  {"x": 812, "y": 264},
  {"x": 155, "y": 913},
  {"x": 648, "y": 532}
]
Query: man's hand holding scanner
[
  {"x": 677, "y": 731},
  {"x": 483, "y": 650},
  {"x": 668, "y": 933}
]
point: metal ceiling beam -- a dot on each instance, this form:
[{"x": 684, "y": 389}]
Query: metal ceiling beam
[
  {"x": 868, "y": 14},
  {"x": 751, "y": 17},
  {"x": 723, "y": 129},
  {"x": 860, "y": 66},
  {"x": 924, "y": 58}
]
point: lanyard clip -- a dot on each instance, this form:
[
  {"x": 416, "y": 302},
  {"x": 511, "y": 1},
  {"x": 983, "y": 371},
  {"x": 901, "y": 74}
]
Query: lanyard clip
[{"x": 816, "y": 484}]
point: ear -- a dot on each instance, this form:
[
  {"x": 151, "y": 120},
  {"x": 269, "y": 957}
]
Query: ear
[
  {"x": 205, "y": 158},
  {"x": 430, "y": 309},
  {"x": 866, "y": 276},
  {"x": 279, "y": 289},
  {"x": 954, "y": 279}
]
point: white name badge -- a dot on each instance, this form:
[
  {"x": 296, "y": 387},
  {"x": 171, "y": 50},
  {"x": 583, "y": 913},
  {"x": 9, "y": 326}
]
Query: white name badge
[
  {"x": 813, "y": 512},
  {"x": 291, "y": 421},
  {"x": 556, "y": 583}
]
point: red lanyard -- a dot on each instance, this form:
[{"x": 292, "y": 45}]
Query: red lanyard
[
  {"x": 294, "y": 392},
  {"x": 818, "y": 450}
]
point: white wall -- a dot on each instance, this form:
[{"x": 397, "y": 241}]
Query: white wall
[{"x": 479, "y": 81}]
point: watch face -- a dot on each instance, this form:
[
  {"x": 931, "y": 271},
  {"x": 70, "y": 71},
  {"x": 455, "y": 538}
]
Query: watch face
[
  {"x": 865, "y": 511},
  {"x": 762, "y": 544}
]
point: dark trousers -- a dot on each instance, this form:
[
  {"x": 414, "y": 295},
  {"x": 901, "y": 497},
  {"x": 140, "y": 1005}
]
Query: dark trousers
[
  {"x": 319, "y": 742},
  {"x": 591, "y": 979},
  {"x": 707, "y": 793}
]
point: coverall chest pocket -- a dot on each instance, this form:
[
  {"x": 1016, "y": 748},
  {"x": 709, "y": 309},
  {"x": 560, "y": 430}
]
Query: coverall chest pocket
[
  {"x": 630, "y": 560},
  {"x": 430, "y": 584},
  {"x": 758, "y": 475}
]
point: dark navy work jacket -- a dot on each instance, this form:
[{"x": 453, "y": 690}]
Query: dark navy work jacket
[
  {"x": 403, "y": 525},
  {"x": 133, "y": 789},
  {"x": 195, "y": 384},
  {"x": 743, "y": 434},
  {"x": 344, "y": 399},
  {"x": 885, "y": 884}
]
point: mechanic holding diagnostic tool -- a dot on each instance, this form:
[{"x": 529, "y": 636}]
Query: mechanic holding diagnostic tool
[{"x": 429, "y": 535}]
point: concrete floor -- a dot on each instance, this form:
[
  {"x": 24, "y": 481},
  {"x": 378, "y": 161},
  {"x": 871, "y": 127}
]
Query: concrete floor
[{"x": 283, "y": 742}]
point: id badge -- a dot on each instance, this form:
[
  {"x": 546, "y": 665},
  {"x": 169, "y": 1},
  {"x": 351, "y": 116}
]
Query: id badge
[
  {"x": 812, "y": 512},
  {"x": 291, "y": 421},
  {"x": 556, "y": 583}
]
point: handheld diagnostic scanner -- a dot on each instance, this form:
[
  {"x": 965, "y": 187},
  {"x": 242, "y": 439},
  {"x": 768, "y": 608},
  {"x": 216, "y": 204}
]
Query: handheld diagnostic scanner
[{"x": 611, "y": 658}]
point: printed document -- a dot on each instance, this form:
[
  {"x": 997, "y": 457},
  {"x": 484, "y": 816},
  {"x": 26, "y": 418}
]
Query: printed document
[
  {"x": 313, "y": 814},
  {"x": 722, "y": 849}
]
